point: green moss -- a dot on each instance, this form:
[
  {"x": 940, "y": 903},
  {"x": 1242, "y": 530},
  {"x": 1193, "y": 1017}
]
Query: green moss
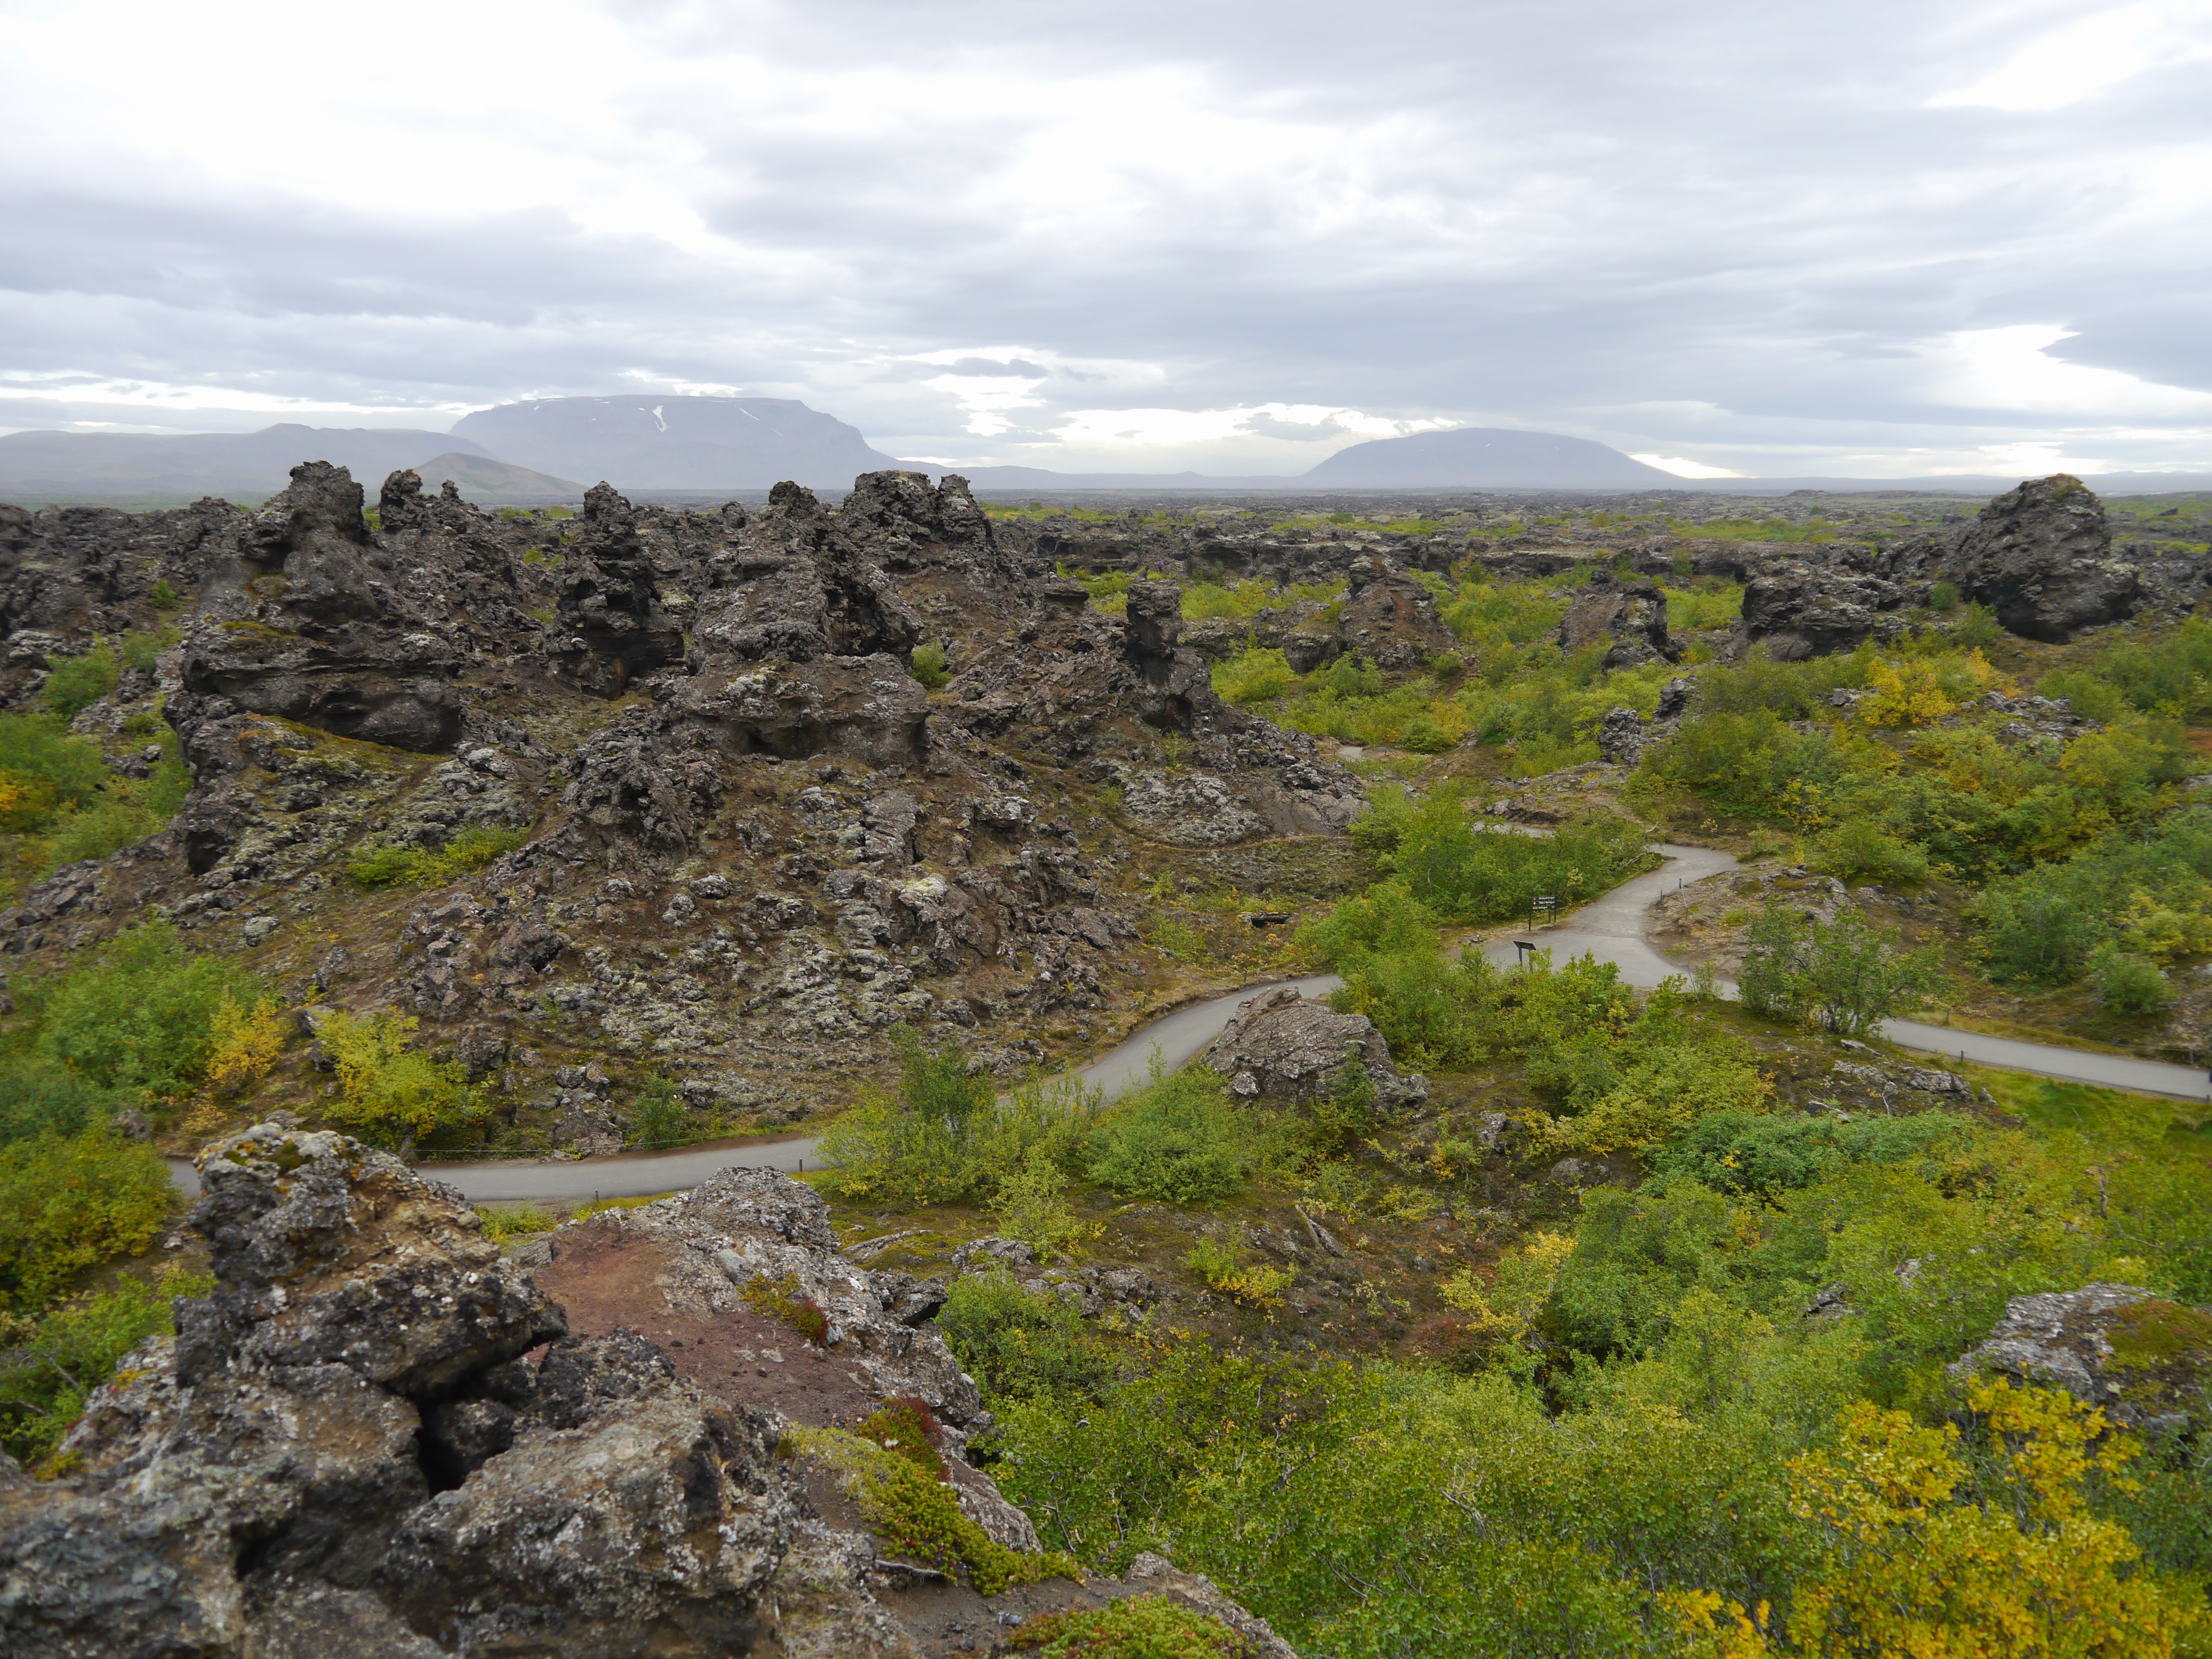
[
  {"x": 917, "y": 1517},
  {"x": 780, "y": 1300},
  {"x": 907, "y": 1426},
  {"x": 1141, "y": 1627},
  {"x": 2160, "y": 1333}
]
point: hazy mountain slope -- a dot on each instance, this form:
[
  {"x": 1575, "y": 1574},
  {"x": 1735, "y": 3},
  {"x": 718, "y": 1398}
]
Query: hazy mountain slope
[
  {"x": 82, "y": 464},
  {"x": 1486, "y": 457},
  {"x": 650, "y": 442},
  {"x": 482, "y": 479}
]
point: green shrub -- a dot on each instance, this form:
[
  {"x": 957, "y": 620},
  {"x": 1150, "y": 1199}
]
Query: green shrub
[
  {"x": 2127, "y": 983},
  {"x": 1860, "y": 849},
  {"x": 75, "y": 683},
  {"x": 39, "y": 1096},
  {"x": 142, "y": 651},
  {"x": 164, "y": 597},
  {"x": 2150, "y": 894},
  {"x": 1755, "y": 1154},
  {"x": 1258, "y": 674},
  {"x": 947, "y": 1135},
  {"x": 137, "y": 1013},
  {"x": 659, "y": 1119},
  {"x": 1636, "y": 1255},
  {"x": 46, "y": 1378},
  {"x": 1943, "y": 597},
  {"x": 1978, "y": 627},
  {"x": 390, "y": 1094},
  {"x": 386, "y": 865},
  {"x": 1017, "y": 1344},
  {"x": 1135, "y": 1627},
  {"x": 68, "y": 1203},
  {"x": 1848, "y": 973},
  {"x": 930, "y": 666},
  {"x": 1176, "y": 1139}
]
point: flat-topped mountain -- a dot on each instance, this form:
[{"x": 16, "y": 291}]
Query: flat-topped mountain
[
  {"x": 648, "y": 441},
  {"x": 1486, "y": 457}
]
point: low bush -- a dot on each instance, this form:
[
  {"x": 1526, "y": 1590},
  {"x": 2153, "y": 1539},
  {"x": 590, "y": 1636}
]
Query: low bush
[
  {"x": 1259, "y": 674},
  {"x": 1757, "y": 1155},
  {"x": 390, "y": 1094},
  {"x": 1847, "y": 973},
  {"x": 1177, "y": 1139},
  {"x": 1017, "y": 1343},
  {"x": 946, "y": 1135},
  {"x": 68, "y": 1203},
  {"x": 658, "y": 1117},
  {"x": 1135, "y": 1627},
  {"x": 386, "y": 865},
  {"x": 2127, "y": 983},
  {"x": 52, "y": 1365},
  {"x": 930, "y": 666},
  {"x": 75, "y": 683},
  {"x": 139, "y": 1012}
]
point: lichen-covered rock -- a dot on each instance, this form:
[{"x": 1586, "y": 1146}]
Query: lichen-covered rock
[
  {"x": 1797, "y": 608},
  {"x": 1284, "y": 1046},
  {"x": 1628, "y": 618},
  {"x": 326, "y": 1252},
  {"x": 646, "y": 1529},
  {"x": 2144, "y": 1359},
  {"x": 1620, "y": 737}
]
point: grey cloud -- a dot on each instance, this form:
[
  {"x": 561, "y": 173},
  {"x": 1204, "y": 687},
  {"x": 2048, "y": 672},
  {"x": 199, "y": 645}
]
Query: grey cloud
[{"x": 1596, "y": 207}]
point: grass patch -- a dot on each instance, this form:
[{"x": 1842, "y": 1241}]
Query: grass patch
[{"x": 471, "y": 849}]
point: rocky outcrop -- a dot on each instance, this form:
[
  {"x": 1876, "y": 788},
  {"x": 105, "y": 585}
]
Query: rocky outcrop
[
  {"x": 373, "y": 1439},
  {"x": 1620, "y": 737},
  {"x": 306, "y": 616},
  {"x": 1283, "y": 1046},
  {"x": 1629, "y": 617},
  {"x": 2146, "y": 1361},
  {"x": 617, "y": 628},
  {"x": 1389, "y": 618},
  {"x": 2040, "y": 555},
  {"x": 1797, "y": 608}
]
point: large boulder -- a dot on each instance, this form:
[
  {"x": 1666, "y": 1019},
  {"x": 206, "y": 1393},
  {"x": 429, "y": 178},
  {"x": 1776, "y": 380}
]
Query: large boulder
[
  {"x": 1283, "y": 1046},
  {"x": 1390, "y": 617},
  {"x": 1629, "y": 617},
  {"x": 327, "y": 1252},
  {"x": 1798, "y": 609},
  {"x": 2146, "y": 1361},
  {"x": 2040, "y": 555}
]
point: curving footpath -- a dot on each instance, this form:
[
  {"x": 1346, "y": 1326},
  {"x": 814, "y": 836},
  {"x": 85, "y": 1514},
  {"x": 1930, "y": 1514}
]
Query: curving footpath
[{"x": 1613, "y": 927}]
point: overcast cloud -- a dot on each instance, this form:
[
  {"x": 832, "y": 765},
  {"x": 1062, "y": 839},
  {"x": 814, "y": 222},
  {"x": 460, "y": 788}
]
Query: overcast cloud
[{"x": 1874, "y": 240}]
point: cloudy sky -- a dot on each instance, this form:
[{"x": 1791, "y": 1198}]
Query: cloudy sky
[{"x": 1879, "y": 239}]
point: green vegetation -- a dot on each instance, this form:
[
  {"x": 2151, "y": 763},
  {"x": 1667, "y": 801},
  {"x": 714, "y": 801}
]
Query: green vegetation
[
  {"x": 1847, "y": 973},
  {"x": 59, "y": 802},
  {"x": 50, "y": 1365},
  {"x": 68, "y": 1203},
  {"x": 1017, "y": 1344},
  {"x": 930, "y": 666},
  {"x": 137, "y": 1021},
  {"x": 390, "y": 866},
  {"x": 1136, "y": 1627},
  {"x": 1459, "y": 869},
  {"x": 500, "y": 1225},
  {"x": 390, "y": 1094},
  {"x": 75, "y": 683},
  {"x": 658, "y": 1118},
  {"x": 913, "y": 1510},
  {"x": 780, "y": 1300}
]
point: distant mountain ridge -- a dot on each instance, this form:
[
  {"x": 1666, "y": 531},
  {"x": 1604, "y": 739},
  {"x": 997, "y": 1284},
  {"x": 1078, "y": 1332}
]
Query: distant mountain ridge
[
  {"x": 90, "y": 465},
  {"x": 645, "y": 441},
  {"x": 1485, "y": 456}
]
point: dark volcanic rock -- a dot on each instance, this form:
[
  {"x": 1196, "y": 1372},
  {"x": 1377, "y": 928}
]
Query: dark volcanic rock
[
  {"x": 1630, "y": 615},
  {"x": 327, "y": 1252},
  {"x": 1798, "y": 609},
  {"x": 1620, "y": 737},
  {"x": 608, "y": 606},
  {"x": 306, "y": 616},
  {"x": 1390, "y": 618},
  {"x": 1284, "y": 1046},
  {"x": 2040, "y": 555}
]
